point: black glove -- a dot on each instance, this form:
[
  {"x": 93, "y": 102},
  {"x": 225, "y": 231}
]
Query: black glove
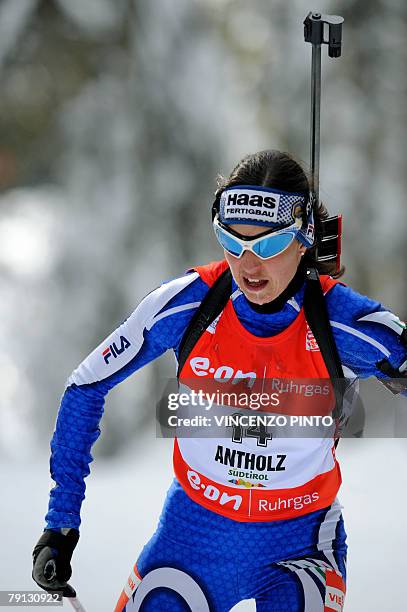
[{"x": 52, "y": 560}]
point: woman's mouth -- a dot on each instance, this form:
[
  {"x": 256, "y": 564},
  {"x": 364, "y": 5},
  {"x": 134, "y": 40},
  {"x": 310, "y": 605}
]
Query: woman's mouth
[{"x": 254, "y": 284}]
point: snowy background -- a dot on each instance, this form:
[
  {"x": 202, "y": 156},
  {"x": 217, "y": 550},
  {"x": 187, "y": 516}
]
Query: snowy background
[
  {"x": 125, "y": 496},
  {"x": 115, "y": 118}
]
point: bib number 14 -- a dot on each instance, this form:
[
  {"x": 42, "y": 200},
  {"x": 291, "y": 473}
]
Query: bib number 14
[{"x": 260, "y": 433}]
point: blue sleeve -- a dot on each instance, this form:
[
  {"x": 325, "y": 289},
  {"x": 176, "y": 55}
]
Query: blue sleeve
[
  {"x": 156, "y": 325},
  {"x": 365, "y": 332}
]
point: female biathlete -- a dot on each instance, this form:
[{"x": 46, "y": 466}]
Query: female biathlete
[{"x": 223, "y": 539}]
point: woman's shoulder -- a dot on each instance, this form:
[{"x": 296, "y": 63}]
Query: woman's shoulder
[
  {"x": 345, "y": 303},
  {"x": 211, "y": 271}
]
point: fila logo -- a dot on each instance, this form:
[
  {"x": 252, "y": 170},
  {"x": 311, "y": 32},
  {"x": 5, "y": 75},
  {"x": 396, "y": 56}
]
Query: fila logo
[
  {"x": 115, "y": 350},
  {"x": 244, "y": 199}
]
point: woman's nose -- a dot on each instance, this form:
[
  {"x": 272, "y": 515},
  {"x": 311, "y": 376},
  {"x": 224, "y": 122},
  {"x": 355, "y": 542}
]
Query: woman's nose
[{"x": 250, "y": 261}]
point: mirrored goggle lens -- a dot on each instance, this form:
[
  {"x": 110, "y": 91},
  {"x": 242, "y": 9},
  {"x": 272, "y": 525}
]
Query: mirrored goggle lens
[
  {"x": 265, "y": 248},
  {"x": 272, "y": 245},
  {"x": 228, "y": 242}
]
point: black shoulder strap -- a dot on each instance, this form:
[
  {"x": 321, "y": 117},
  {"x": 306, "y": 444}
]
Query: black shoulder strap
[
  {"x": 318, "y": 320},
  {"x": 211, "y": 306}
]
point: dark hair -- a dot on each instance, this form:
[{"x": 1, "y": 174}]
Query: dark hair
[{"x": 278, "y": 170}]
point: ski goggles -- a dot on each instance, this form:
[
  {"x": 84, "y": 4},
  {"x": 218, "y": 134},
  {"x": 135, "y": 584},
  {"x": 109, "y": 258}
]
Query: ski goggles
[{"x": 266, "y": 245}]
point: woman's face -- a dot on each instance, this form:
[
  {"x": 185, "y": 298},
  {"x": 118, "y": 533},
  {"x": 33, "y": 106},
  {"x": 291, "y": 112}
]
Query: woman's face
[{"x": 262, "y": 280}]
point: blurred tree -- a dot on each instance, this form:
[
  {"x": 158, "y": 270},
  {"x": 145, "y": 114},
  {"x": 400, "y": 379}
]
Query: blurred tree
[
  {"x": 51, "y": 61},
  {"x": 116, "y": 116}
]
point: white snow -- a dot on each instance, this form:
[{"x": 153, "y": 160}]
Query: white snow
[{"x": 124, "y": 500}]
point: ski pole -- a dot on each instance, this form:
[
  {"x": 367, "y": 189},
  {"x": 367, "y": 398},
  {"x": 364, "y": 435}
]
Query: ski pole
[
  {"x": 76, "y": 604},
  {"x": 314, "y": 30},
  {"x": 50, "y": 572}
]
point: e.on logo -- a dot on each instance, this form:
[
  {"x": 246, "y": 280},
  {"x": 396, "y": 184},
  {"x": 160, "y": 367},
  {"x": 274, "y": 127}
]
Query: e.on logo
[
  {"x": 201, "y": 367},
  {"x": 212, "y": 493}
]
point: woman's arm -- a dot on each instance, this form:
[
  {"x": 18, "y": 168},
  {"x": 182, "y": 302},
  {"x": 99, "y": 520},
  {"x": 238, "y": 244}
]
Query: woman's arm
[
  {"x": 156, "y": 325},
  {"x": 366, "y": 333}
]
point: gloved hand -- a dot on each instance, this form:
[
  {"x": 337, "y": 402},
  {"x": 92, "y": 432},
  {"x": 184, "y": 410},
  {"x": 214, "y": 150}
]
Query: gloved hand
[{"x": 52, "y": 560}]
